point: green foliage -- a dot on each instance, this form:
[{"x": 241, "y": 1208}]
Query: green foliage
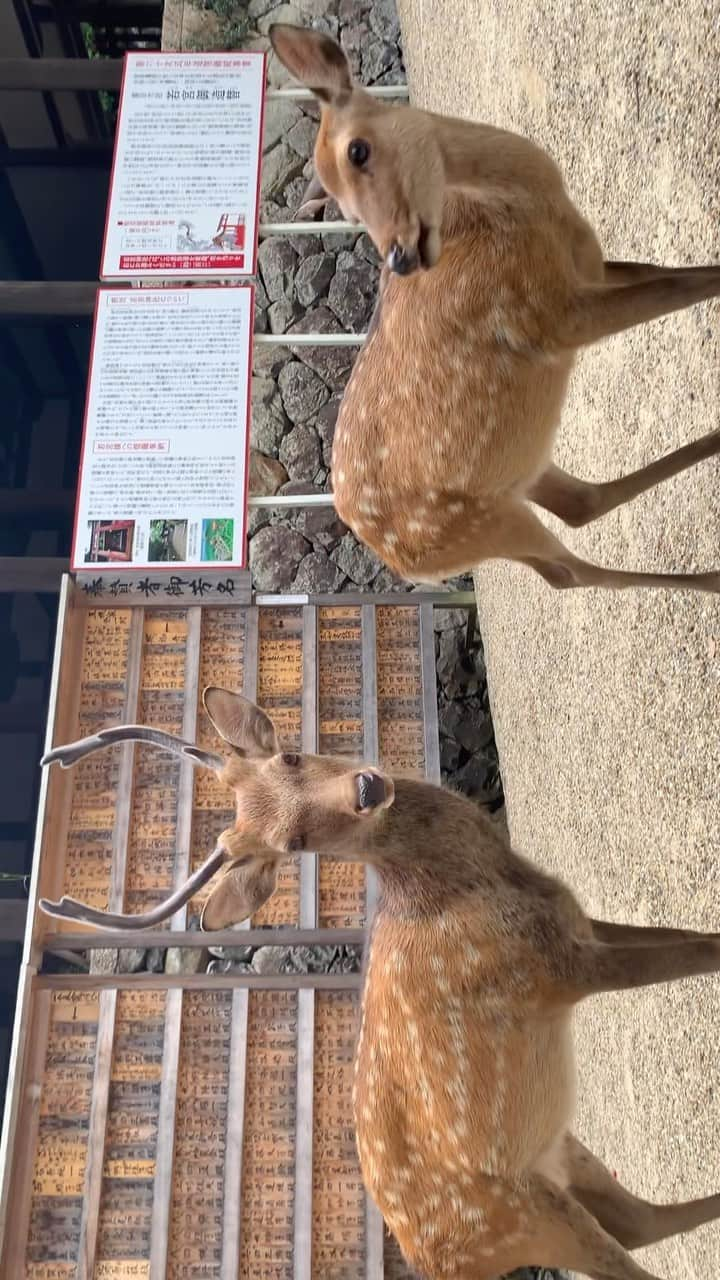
[
  {"x": 108, "y": 101},
  {"x": 234, "y": 24}
]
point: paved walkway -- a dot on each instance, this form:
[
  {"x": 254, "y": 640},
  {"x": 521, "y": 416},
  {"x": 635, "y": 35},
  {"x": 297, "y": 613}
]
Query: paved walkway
[{"x": 607, "y": 706}]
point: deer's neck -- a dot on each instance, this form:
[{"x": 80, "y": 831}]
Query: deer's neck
[
  {"x": 483, "y": 161},
  {"x": 432, "y": 847}
]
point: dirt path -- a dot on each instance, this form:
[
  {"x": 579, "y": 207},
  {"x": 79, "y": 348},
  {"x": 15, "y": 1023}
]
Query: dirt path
[{"x": 607, "y": 706}]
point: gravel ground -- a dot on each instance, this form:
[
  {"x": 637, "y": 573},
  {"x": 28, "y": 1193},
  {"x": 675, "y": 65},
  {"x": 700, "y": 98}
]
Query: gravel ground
[{"x": 607, "y": 706}]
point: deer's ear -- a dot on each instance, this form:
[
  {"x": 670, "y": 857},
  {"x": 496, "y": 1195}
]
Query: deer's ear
[
  {"x": 315, "y": 60},
  {"x": 243, "y": 889},
  {"x": 240, "y": 722},
  {"x": 313, "y": 201}
]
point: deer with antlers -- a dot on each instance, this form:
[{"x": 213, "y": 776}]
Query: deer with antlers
[
  {"x": 464, "y": 1067},
  {"x": 491, "y": 282}
]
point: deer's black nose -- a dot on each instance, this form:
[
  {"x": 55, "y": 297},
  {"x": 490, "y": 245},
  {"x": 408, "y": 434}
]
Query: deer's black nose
[
  {"x": 402, "y": 261},
  {"x": 370, "y": 791}
]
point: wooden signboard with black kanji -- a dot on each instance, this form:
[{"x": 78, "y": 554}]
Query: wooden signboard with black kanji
[{"x": 191, "y": 1125}]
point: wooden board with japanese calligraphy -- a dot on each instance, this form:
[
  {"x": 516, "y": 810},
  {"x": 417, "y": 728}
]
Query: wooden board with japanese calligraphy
[{"x": 198, "y": 1126}]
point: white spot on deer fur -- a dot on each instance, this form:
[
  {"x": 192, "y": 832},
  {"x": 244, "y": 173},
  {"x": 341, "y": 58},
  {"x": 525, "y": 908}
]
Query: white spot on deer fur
[
  {"x": 390, "y": 540},
  {"x": 429, "y": 1229},
  {"x": 414, "y": 526},
  {"x": 477, "y": 1216},
  {"x": 341, "y": 477},
  {"x": 383, "y": 453},
  {"x": 454, "y": 508}
]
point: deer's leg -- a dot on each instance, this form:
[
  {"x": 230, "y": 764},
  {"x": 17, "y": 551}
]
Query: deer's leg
[
  {"x": 578, "y": 502},
  {"x": 597, "y": 311},
  {"x": 550, "y": 1228},
  {"x": 513, "y": 532},
  {"x": 518, "y": 534},
  {"x": 596, "y": 967},
  {"x": 633, "y": 1222},
  {"x": 636, "y": 272},
  {"x": 642, "y": 935}
]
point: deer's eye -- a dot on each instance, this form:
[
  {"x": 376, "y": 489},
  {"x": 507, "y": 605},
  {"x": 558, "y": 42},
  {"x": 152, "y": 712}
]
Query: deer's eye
[
  {"x": 358, "y": 152},
  {"x": 290, "y": 758},
  {"x": 296, "y": 844}
]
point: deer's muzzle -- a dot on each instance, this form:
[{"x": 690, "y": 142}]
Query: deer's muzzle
[{"x": 372, "y": 791}]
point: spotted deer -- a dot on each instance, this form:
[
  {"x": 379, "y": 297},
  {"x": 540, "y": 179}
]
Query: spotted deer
[
  {"x": 492, "y": 281},
  {"x": 464, "y": 1068}
]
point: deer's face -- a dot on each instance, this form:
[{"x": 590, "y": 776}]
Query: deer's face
[
  {"x": 381, "y": 163},
  {"x": 286, "y": 803},
  {"x": 293, "y": 803}
]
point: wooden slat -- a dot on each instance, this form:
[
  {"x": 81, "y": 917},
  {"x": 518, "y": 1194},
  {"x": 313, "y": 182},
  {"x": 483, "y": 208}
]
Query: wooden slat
[
  {"x": 162, "y": 1188},
  {"x": 96, "y": 1136},
  {"x": 397, "y": 599},
  {"x": 374, "y": 1225},
  {"x": 21, "y": 1159},
  {"x": 309, "y": 862},
  {"x": 186, "y": 781},
  {"x": 60, "y": 73},
  {"x": 124, "y": 797},
  {"x": 370, "y": 727},
  {"x": 235, "y": 1122},
  {"x": 106, "y": 73},
  {"x": 234, "y": 1136},
  {"x": 13, "y": 914},
  {"x": 94, "y": 1170},
  {"x": 198, "y": 981},
  {"x": 302, "y": 1254},
  {"x": 251, "y": 641},
  {"x": 283, "y": 936},
  {"x": 32, "y": 573},
  {"x": 429, "y": 684},
  {"x": 22, "y": 298},
  {"x": 250, "y": 654}
]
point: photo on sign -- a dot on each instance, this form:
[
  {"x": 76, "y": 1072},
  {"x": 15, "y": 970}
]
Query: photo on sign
[
  {"x": 168, "y": 540},
  {"x": 210, "y": 231},
  {"x": 217, "y": 539},
  {"x": 109, "y": 541}
]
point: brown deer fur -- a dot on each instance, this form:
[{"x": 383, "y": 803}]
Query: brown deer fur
[
  {"x": 492, "y": 282},
  {"x": 464, "y": 1074}
]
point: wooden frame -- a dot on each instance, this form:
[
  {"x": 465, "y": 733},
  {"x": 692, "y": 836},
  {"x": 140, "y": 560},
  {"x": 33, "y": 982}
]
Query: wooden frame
[{"x": 255, "y": 1067}]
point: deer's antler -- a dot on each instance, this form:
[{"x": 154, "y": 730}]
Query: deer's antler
[
  {"x": 71, "y": 909},
  {"x": 68, "y": 755}
]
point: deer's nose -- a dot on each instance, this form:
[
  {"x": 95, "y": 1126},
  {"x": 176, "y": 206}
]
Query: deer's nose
[
  {"x": 371, "y": 791},
  {"x": 402, "y": 261}
]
